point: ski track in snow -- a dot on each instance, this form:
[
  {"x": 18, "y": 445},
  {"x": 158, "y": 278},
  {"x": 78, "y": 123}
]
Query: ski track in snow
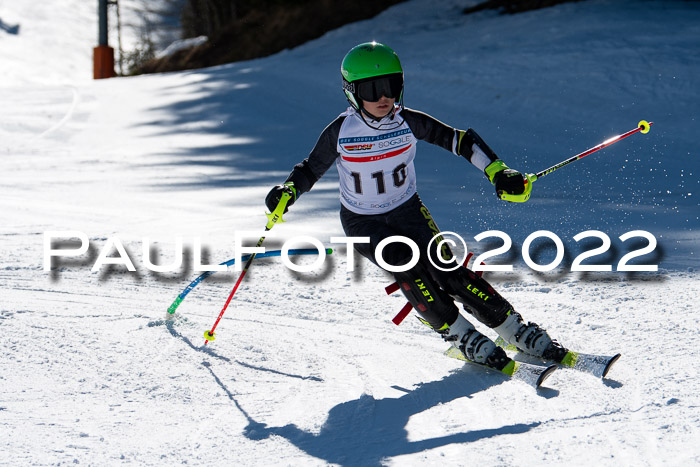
[{"x": 307, "y": 369}]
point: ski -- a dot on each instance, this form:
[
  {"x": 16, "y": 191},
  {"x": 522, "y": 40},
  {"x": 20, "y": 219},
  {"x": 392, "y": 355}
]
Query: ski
[
  {"x": 596, "y": 365},
  {"x": 534, "y": 375}
]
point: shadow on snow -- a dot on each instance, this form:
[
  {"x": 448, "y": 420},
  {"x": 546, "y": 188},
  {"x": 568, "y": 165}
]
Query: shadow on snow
[{"x": 366, "y": 431}]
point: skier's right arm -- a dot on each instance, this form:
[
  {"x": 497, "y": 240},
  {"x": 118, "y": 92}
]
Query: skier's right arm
[
  {"x": 510, "y": 184},
  {"x": 306, "y": 173}
]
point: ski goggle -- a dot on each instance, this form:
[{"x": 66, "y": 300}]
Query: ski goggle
[{"x": 373, "y": 89}]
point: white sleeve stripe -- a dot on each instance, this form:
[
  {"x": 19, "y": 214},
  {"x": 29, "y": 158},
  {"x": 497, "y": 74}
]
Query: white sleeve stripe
[{"x": 479, "y": 158}]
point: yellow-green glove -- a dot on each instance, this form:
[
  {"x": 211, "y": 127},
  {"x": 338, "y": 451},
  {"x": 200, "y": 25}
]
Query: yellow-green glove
[{"x": 510, "y": 184}]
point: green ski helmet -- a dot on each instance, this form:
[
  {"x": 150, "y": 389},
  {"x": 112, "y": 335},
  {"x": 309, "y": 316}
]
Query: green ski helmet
[{"x": 369, "y": 71}]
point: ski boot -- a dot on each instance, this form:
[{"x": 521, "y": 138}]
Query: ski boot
[
  {"x": 530, "y": 338},
  {"x": 475, "y": 346}
]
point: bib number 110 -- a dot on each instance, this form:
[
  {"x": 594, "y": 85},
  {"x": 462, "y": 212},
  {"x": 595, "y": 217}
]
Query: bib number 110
[{"x": 398, "y": 176}]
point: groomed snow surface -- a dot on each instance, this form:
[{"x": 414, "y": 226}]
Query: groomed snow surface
[{"x": 307, "y": 368}]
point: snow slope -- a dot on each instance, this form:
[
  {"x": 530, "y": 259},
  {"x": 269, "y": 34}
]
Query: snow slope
[{"x": 308, "y": 368}]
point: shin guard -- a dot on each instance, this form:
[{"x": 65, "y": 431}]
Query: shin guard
[
  {"x": 436, "y": 308},
  {"x": 477, "y": 296}
]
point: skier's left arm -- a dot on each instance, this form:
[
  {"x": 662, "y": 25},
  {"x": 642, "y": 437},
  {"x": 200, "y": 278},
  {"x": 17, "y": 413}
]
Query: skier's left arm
[{"x": 510, "y": 184}]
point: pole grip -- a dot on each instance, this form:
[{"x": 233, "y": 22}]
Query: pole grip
[{"x": 276, "y": 215}]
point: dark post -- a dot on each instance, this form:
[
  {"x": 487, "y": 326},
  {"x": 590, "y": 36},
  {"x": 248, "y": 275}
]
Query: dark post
[
  {"x": 102, "y": 12},
  {"x": 103, "y": 54}
]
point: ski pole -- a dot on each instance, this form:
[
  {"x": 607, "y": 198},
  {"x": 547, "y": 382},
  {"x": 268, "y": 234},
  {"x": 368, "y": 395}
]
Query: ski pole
[
  {"x": 272, "y": 218},
  {"x": 643, "y": 127}
]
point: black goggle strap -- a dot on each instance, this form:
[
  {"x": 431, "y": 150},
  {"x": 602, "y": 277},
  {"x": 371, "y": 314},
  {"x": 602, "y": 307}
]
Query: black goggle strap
[{"x": 348, "y": 86}]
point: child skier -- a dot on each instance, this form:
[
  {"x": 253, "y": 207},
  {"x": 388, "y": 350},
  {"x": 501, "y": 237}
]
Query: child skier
[{"x": 373, "y": 144}]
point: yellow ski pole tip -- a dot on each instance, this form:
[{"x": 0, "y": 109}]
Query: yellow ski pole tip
[
  {"x": 645, "y": 127},
  {"x": 210, "y": 336}
]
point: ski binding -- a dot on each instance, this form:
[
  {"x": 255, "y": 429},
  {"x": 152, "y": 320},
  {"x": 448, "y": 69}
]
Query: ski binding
[{"x": 534, "y": 375}]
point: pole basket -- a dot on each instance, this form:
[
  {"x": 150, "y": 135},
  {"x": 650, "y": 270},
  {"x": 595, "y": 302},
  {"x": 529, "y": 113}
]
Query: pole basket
[{"x": 103, "y": 62}]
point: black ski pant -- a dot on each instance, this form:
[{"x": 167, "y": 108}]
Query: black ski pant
[{"x": 430, "y": 290}]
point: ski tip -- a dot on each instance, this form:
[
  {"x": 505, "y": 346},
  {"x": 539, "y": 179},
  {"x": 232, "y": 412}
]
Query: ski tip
[
  {"x": 611, "y": 362},
  {"x": 546, "y": 374}
]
